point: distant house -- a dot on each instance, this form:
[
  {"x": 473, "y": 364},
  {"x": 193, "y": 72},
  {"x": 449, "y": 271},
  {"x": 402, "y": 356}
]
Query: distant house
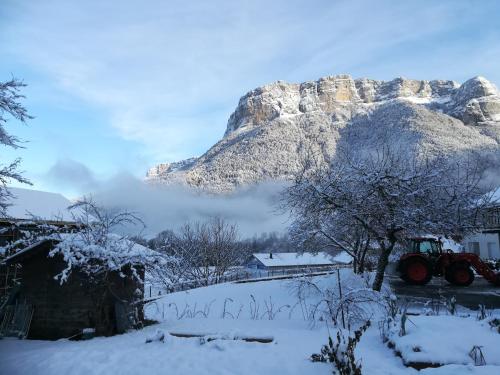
[
  {"x": 486, "y": 243},
  {"x": 294, "y": 261},
  {"x": 106, "y": 304}
]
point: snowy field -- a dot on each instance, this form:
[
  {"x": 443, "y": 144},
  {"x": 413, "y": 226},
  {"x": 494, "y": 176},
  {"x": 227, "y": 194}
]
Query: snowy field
[{"x": 230, "y": 312}]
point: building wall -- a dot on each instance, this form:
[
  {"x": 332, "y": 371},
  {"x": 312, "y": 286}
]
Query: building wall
[
  {"x": 254, "y": 263},
  {"x": 486, "y": 245},
  {"x": 64, "y": 310}
]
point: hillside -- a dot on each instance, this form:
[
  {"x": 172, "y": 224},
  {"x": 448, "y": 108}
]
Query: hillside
[{"x": 273, "y": 126}]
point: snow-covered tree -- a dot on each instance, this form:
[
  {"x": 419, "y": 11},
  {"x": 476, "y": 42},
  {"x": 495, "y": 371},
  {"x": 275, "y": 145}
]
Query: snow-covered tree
[
  {"x": 10, "y": 105},
  {"x": 385, "y": 196}
]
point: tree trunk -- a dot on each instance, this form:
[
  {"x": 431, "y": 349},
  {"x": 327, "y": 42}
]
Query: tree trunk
[
  {"x": 355, "y": 264},
  {"x": 383, "y": 260},
  {"x": 362, "y": 256}
]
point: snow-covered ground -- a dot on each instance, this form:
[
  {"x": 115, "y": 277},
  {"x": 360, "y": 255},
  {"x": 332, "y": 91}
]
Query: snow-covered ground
[
  {"x": 231, "y": 311},
  {"x": 426, "y": 337}
]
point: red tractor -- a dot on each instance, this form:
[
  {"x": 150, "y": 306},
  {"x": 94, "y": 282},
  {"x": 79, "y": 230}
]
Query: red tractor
[{"x": 426, "y": 258}]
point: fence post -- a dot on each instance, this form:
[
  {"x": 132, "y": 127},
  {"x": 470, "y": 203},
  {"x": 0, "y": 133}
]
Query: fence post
[{"x": 340, "y": 295}]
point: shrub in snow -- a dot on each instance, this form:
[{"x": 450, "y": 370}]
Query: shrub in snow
[
  {"x": 271, "y": 310},
  {"x": 482, "y": 312},
  {"x": 191, "y": 311},
  {"x": 392, "y": 305},
  {"x": 341, "y": 353},
  {"x": 495, "y": 324},
  {"x": 404, "y": 318},
  {"x": 395, "y": 318},
  {"x": 349, "y": 301},
  {"x": 451, "y": 305},
  {"x": 477, "y": 356},
  {"x": 158, "y": 336}
]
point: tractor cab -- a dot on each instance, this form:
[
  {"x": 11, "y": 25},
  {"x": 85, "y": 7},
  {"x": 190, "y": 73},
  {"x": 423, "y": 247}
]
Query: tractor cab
[{"x": 426, "y": 245}]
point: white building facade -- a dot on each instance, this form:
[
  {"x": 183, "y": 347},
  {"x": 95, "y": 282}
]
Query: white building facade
[{"x": 486, "y": 243}]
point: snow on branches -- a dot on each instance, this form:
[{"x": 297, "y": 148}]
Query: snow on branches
[
  {"x": 10, "y": 105},
  {"x": 95, "y": 250},
  {"x": 89, "y": 244},
  {"x": 112, "y": 253},
  {"x": 383, "y": 197}
]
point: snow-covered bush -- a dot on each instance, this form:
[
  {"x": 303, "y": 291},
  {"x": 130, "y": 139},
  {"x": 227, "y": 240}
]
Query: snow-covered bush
[
  {"x": 451, "y": 305},
  {"x": 394, "y": 319},
  {"x": 341, "y": 352},
  {"x": 347, "y": 302},
  {"x": 482, "y": 312},
  {"x": 495, "y": 324},
  {"x": 93, "y": 248}
]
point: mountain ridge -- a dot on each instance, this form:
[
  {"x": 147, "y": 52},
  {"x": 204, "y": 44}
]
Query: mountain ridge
[{"x": 271, "y": 125}]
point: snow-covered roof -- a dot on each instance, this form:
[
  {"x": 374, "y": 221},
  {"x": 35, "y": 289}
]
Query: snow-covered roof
[
  {"x": 495, "y": 196},
  {"x": 27, "y": 204},
  {"x": 118, "y": 252},
  {"x": 298, "y": 259},
  {"x": 342, "y": 257}
]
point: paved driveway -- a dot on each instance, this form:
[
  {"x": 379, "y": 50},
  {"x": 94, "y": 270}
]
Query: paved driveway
[{"x": 479, "y": 292}]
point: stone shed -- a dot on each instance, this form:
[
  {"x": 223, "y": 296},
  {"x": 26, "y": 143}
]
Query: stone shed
[{"x": 109, "y": 303}]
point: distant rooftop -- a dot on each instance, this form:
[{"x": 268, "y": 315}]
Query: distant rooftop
[
  {"x": 27, "y": 204},
  {"x": 297, "y": 259}
]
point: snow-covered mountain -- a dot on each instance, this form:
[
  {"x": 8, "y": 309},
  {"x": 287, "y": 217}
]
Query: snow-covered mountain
[{"x": 274, "y": 125}]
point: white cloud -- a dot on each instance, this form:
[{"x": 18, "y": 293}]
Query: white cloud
[
  {"x": 253, "y": 209},
  {"x": 160, "y": 206}
]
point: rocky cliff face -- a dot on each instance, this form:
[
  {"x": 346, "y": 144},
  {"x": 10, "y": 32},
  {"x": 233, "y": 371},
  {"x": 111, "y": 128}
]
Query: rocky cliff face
[{"x": 274, "y": 125}]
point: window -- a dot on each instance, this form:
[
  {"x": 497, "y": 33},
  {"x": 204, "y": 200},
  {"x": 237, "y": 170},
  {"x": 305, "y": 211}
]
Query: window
[
  {"x": 491, "y": 249},
  {"x": 474, "y": 248},
  {"x": 429, "y": 247}
]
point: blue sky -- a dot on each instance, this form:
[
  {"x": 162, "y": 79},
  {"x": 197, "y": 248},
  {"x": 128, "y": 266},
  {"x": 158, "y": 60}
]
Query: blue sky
[{"x": 117, "y": 86}]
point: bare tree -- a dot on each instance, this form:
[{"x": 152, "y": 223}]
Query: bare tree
[
  {"x": 383, "y": 197},
  {"x": 207, "y": 250},
  {"x": 10, "y": 105}
]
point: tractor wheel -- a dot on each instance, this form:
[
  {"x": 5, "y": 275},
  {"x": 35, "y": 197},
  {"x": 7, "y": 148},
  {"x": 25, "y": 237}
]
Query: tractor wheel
[
  {"x": 416, "y": 271},
  {"x": 459, "y": 274}
]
